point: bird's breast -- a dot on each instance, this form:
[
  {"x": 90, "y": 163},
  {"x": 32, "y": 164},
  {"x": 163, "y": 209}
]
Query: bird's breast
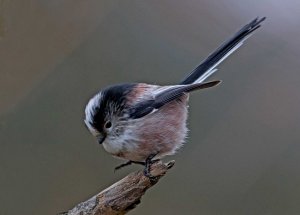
[{"x": 162, "y": 131}]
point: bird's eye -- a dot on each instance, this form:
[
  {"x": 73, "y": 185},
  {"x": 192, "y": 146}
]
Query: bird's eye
[{"x": 108, "y": 124}]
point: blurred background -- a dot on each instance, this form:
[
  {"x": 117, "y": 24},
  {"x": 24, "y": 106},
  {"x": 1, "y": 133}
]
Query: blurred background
[{"x": 243, "y": 152}]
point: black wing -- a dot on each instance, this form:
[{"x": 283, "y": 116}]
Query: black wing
[{"x": 143, "y": 108}]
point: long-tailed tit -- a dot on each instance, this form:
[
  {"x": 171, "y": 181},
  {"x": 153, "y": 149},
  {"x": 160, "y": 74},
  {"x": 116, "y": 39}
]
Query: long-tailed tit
[{"x": 141, "y": 122}]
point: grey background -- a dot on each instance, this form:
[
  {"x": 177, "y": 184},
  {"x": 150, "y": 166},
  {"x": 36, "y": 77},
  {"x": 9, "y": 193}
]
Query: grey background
[{"x": 242, "y": 154}]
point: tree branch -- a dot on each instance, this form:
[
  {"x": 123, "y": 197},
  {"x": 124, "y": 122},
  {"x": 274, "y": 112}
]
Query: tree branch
[{"x": 122, "y": 196}]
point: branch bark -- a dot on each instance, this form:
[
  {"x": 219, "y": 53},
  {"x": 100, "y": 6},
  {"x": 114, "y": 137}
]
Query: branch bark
[{"x": 122, "y": 196}]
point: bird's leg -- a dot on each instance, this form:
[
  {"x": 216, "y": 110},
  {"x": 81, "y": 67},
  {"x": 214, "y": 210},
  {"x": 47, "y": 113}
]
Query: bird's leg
[
  {"x": 123, "y": 165},
  {"x": 139, "y": 162},
  {"x": 148, "y": 163},
  {"x": 129, "y": 163}
]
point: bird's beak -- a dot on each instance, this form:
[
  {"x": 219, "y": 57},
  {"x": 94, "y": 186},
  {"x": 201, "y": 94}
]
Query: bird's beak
[{"x": 101, "y": 139}]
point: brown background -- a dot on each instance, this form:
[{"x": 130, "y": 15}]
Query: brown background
[{"x": 243, "y": 151}]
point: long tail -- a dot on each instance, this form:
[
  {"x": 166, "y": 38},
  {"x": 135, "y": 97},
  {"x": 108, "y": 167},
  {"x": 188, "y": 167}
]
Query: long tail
[{"x": 208, "y": 66}]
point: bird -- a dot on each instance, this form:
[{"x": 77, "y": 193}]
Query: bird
[{"x": 142, "y": 123}]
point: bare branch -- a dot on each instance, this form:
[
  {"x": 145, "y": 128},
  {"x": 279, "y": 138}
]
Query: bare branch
[{"x": 122, "y": 196}]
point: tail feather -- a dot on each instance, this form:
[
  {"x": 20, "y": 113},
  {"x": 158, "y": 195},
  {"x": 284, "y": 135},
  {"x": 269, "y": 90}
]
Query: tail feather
[{"x": 208, "y": 66}]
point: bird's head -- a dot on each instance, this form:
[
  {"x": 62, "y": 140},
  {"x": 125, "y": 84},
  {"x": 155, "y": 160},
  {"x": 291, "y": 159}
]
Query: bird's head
[{"x": 105, "y": 112}]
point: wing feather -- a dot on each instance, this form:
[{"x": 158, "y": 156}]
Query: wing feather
[{"x": 168, "y": 94}]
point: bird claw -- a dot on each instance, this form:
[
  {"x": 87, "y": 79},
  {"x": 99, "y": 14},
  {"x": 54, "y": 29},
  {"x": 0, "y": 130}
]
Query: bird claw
[{"x": 148, "y": 163}]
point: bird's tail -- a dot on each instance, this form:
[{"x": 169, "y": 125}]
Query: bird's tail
[{"x": 208, "y": 66}]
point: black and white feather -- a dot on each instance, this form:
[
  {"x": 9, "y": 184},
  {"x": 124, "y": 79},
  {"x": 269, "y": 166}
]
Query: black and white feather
[{"x": 208, "y": 66}]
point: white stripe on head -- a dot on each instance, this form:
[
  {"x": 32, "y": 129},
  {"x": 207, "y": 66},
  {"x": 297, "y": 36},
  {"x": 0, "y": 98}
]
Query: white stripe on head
[{"x": 90, "y": 111}]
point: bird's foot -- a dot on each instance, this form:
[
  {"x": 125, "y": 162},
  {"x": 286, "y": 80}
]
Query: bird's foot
[{"x": 148, "y": 163}]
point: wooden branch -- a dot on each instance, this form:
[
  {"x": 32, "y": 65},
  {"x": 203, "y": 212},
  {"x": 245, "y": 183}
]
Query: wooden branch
[{"x": 122, "y": 196}]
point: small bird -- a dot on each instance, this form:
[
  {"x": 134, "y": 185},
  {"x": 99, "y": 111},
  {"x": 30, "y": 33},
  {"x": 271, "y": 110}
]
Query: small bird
[{"x": 141, "y": 122}]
